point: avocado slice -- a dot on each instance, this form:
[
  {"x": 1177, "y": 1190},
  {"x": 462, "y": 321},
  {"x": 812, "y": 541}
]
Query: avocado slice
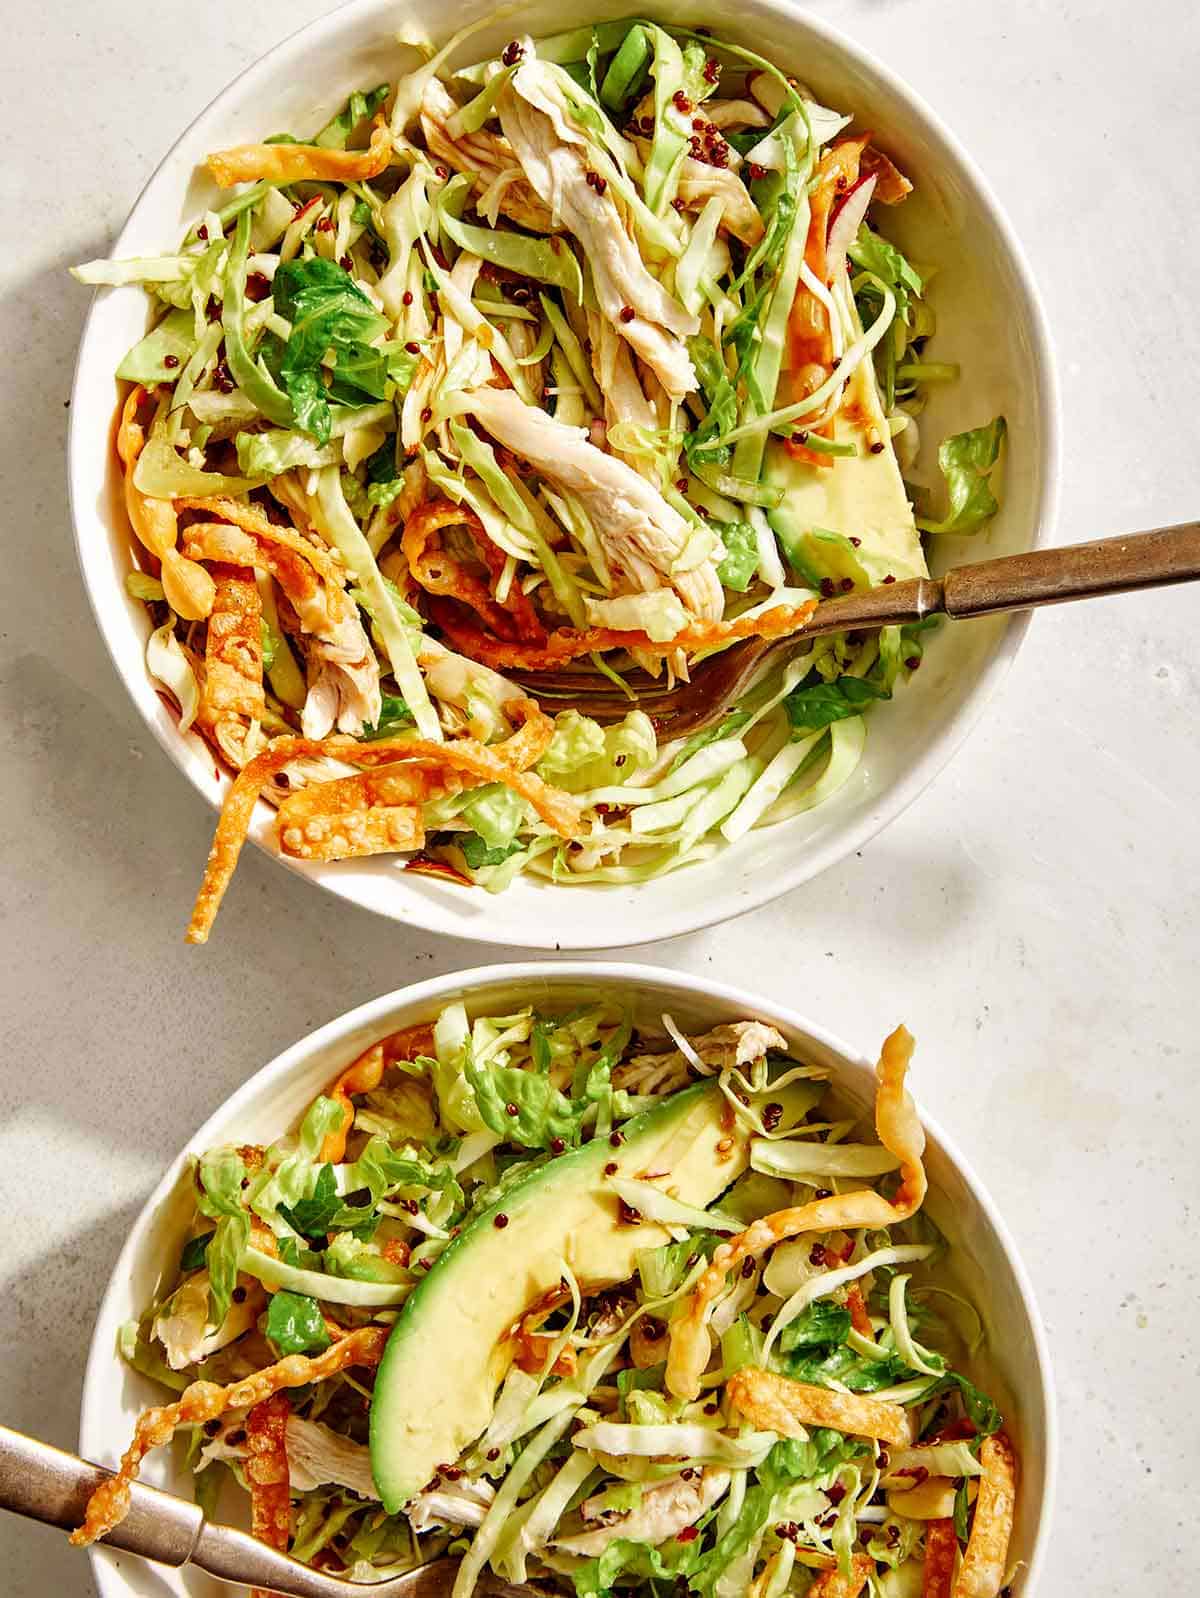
[
  {"x": 447, "y": 1353},
  {"x": 861, "y": 496}
]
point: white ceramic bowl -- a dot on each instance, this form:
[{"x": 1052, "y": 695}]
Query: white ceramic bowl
[
  {"x": 988, "y": 318},
  {"x": 984, "y": 1258}
]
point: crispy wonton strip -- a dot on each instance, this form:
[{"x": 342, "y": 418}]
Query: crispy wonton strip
[
  {"x": 779, "y": 1404},
  {"x": 810, "y": 340},
  {"x": 832, "y": 1584},
  {"x": 900, "y": 1133},
  {"x": 299, "y": 163},
  {"x": 240, "y": 513},
  {"x": 568, "y": 643},
  {"x": 982, "y": 1572},
  {"x": 465, "y": 756},
  {"x": 267, "y": 1475},
  {"x": 233, "y": 650},
  {"x": 205, "y": 1401},
  {"x": 376, "y": 812},
  {"x": 438, "y": 572},
  {"x": 941, "y": 1549},
  {"x": 188, "y": 587},
  {"x": 365, "y": 1074},
  {"x": 320, "y": 607}
]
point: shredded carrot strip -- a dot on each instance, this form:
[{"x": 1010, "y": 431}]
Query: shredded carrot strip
[
  {"x": 857, "y": 1306},
  {"x": 809, "y": 334}
]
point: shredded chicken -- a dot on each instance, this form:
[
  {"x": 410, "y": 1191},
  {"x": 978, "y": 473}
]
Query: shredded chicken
[
  {"x": 557, "y": 157},
  {"x": 318, "y": 1456},
  {"x": 737, "y": 1043},
  {"x": 666, "y": 1508},
  {"x": 736, "y": 114},
  {"x": 182, "y": 1324},
  {"x": 460, "y": 1503},
  {"x": 624, "y": 398},
  {"x": 699, "y": 182},
  {"x": 641, "y": 533},
  {"x": 486, "y": 156}
]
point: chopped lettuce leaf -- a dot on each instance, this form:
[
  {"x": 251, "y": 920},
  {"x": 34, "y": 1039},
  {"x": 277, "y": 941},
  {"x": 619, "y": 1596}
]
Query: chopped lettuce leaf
[
  {"x": 584, "y": 755},
  {"x": 966, "y": 461},
  {"x": 822, "y": 703},
  {"x": 394, "y": 717},
  {"x": 221, "y": 1173},
  {"x": 497, "y": 815},
  {"x": 738, "y": 568},
  {"x": 821, "y": 1325},
  {"x": 477, "y": 852},
  {"x": 543, "y": 1115},
  {"x": 295, "y": 1324},
  {"x": 328, "y": 311}
]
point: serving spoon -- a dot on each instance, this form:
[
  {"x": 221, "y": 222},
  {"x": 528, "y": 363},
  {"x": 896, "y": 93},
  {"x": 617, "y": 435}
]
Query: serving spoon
[
  {"x": 1011, "y": 582},
  {"x": 47, "y": 1484}
]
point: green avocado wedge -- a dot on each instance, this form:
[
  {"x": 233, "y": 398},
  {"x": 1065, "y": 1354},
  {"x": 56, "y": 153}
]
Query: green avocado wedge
[
  {"x": 448, "y": 1350},
  {"x": 860, "y": 497}
]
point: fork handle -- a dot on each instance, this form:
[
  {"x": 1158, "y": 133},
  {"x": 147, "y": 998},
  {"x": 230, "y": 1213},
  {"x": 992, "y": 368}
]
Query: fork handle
[
  {"x": 46, "y": 1484},
  {"x": 1074, "y": 571}
]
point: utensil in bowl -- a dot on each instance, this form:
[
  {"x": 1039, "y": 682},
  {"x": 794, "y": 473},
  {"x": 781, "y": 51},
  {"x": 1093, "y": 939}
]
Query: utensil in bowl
[
  {"x": 47, "y": 1484},
  {"x": 987, "y": 312},
  {"x": 1156, "y": 559},
  {"x": 988, "y": 1268}
]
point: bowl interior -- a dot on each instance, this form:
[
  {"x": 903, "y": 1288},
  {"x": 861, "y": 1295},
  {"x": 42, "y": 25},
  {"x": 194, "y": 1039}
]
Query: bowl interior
[
  {"x": 985, "y": 1265},
  {"x": 987, "y": 319}
]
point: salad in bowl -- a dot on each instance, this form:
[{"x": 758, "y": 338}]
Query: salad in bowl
[
  {"x": 585, "y": 1301},
  {"x": 590, "y": 356}
]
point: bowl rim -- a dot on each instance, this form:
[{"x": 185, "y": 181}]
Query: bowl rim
[
  {"x": 427, "y": 994},
  {"x": 569, "y": 932}
]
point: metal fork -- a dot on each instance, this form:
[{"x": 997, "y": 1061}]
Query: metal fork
[
  {"x": 1011, "y": 582},
  {"x": 52, "y": 1486}
]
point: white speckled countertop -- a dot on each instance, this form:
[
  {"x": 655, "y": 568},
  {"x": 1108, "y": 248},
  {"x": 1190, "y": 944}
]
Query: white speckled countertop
[{"x": 1034, "y": 917}]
